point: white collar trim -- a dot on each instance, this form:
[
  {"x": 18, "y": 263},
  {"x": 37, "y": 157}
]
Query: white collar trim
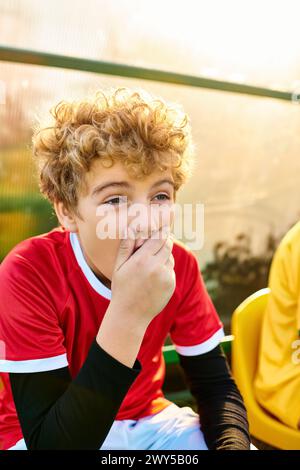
[{"x": 96, "y": 284}]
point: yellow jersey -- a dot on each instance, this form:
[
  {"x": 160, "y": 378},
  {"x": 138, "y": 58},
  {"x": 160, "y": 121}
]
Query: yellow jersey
[{"x": 277, "y": 383}]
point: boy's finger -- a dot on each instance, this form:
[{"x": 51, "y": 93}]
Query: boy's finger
[
  {"x": 153, "y": 244},
  {"x": 126, "y": 247},
  {"x": 165, "y": 252}
]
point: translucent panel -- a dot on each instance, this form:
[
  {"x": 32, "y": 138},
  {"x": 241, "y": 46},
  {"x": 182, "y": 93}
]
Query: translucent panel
[{"x": 253, "y": 41}]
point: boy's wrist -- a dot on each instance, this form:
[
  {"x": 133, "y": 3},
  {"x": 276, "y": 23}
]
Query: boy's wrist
[
  {"x": 127, "y": 319},
  {"x": 120, "y": 338}
]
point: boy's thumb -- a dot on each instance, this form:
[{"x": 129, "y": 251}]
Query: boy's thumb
[{"x": 126, "y": 247}]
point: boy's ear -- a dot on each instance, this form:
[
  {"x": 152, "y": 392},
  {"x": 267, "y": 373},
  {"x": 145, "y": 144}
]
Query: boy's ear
[{"x": 66, "y": 218}]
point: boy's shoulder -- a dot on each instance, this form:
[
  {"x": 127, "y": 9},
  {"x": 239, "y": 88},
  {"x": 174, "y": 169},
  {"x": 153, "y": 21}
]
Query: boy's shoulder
[
  {"x": 37, "y": 252},
  {"x": 35, "y": 272}
]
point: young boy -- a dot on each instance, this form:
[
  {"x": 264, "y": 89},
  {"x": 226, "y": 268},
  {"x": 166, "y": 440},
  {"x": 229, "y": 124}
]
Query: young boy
[{"x": 83, "y": 317}]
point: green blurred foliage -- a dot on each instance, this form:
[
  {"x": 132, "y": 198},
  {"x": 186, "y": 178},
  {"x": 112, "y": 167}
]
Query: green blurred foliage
[{"x": 23, "y": 211}]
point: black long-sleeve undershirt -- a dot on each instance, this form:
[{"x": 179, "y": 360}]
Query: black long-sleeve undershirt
[
  {"x": 221, "y": 409},
  {"x": 56, "y": 412}
]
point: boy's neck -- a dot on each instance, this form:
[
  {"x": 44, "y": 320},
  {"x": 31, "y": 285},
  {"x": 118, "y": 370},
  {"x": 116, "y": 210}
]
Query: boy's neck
[
  {"x": 103, "y": 279},
  {"x": 95, "y": 270}
]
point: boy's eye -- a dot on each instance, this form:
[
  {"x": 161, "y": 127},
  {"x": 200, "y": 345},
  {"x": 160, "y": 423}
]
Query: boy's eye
[
  {"x": 163, "y": 197},
  {"x": 116, "y": 200}
]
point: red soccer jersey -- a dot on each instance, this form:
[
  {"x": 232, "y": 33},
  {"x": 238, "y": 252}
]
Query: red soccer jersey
[{"x": 52, "y": 305}]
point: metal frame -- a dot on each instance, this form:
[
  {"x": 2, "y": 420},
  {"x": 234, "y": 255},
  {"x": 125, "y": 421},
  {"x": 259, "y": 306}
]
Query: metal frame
[{"x": 33, "y": 57}]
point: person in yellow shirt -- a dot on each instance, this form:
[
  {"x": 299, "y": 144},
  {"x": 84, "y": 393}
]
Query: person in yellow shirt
[{"x": 277, "y": 383}]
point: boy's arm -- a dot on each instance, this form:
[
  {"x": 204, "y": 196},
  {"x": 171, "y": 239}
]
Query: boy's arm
[
  {"x": 223, "y": 416},
  {"x": 58, "y": 413},
  {"x": 78, "y": 414}
]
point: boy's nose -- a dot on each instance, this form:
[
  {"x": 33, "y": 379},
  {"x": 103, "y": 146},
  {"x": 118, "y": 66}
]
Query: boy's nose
[
  {"x": 144, "y": 220},
  {"x": 144, "y": 224}
]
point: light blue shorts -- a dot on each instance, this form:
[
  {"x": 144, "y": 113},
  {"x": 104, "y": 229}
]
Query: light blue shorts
[{"x": 173, "y": 428}]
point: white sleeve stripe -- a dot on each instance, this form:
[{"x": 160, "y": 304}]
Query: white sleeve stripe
[
  {"x": 34, "y": 365},
  {"x": 201, "y": 348}
]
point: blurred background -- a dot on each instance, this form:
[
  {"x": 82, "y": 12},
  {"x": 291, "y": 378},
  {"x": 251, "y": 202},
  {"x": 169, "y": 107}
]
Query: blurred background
[{"x": 247, "y": 159}]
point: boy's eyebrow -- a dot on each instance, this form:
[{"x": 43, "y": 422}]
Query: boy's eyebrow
[
  {"x": 125, "y": 184},
  {"x": 165, "y": 180},
  {"x": 100, "y": 188}
]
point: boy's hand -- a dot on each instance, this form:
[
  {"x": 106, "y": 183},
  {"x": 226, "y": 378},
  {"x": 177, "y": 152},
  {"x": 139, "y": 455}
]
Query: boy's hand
[{"x": 143, "y": 281}]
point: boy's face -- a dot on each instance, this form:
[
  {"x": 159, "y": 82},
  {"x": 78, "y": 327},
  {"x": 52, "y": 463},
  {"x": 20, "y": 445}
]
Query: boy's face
[{"x": 114, "y": 200}]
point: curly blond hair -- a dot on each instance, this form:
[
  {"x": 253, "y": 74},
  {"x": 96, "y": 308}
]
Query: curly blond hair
[{"x": 143, "y": 132}]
